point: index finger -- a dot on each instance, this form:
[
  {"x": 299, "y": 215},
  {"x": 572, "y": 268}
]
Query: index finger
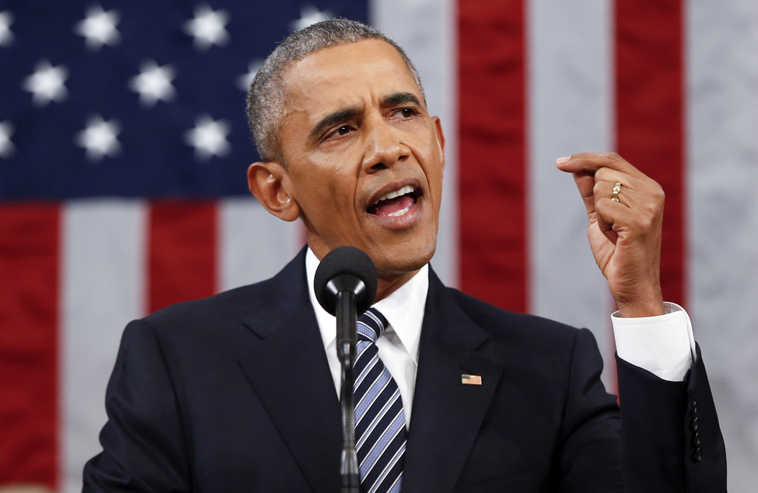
[
  {"x": 585, "y": 183},
  {"x": 589, "y": 162}
]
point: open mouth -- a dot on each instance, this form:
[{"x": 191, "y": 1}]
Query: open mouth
[{"x": 396, "y": 202}]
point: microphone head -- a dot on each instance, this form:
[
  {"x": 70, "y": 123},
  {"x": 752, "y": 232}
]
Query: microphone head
[{"x": 343, "y": 269}]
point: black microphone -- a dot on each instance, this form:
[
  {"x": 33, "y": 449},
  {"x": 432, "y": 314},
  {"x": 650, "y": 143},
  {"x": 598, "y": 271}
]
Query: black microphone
[
  {"x": 345, "y": 284},
  {"x": 344, "y": 269}
]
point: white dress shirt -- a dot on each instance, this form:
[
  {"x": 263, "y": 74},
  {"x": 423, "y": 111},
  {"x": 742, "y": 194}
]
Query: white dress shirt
[
  {"x": 663, "y": 345},
  {"x": 398, "y": 345}
]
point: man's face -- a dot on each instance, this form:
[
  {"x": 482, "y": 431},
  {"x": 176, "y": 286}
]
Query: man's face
[{"x": 364, "y": 158}]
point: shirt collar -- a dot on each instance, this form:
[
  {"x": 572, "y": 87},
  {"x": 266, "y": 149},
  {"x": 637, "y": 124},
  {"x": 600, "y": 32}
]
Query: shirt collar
[{"x": 403, "y": 309}]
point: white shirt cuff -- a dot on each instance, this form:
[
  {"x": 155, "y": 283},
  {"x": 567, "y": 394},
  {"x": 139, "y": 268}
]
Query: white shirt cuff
[{"x": 663, "y": 345}]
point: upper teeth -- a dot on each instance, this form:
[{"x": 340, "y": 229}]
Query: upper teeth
[{"x": 396, "y": 193}]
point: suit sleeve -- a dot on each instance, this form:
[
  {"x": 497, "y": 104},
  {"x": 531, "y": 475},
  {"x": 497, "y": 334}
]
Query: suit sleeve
[
  {"x": 143, "y": 443},
  {"x": 589, "y": 455},
  {"x": 666, "y": 438},
  {"x": 671, "y": 437}
]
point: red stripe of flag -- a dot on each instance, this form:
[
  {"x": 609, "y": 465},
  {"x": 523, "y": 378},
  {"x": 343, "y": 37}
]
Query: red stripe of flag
[
  {"x": 650, "y": 115},
  {"x": 182, "y": 246},
  {"x": 492, "y": 152},
  {"x": 29, "y": 270}
]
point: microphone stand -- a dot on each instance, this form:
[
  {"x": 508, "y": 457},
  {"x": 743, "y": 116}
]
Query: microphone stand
[
  {"x": 346, "y": 339},
  {"x": 345, "y": 283}
]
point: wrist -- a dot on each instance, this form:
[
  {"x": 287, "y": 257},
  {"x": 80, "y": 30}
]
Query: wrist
[
  {"x": 642, "y": 309},
  {"x": 640, "y": 299}
]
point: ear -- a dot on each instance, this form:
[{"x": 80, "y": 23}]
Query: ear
[
  {"x": 270, "y": 184},
  {"x": 440, "y": 135}
]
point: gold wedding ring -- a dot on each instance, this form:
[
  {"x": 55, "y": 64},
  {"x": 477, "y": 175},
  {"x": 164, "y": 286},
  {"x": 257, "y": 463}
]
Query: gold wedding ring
[{"x": 616, "y": 191}]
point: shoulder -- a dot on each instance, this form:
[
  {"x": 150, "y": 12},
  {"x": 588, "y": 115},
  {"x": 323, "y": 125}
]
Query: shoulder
[
  {"x": 502, "y": 323},
  {"x": 210, "y": 321},
  {"x": 270, "y": 297},
  {"x": 217, "y": 308},
  {"x": 519, "y": 334}
]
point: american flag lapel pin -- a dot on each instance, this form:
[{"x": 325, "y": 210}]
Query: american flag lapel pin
[{"x": 469, "y": 379}]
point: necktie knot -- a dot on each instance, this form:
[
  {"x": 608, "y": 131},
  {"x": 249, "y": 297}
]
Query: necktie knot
[{"x": 371, "y": 324}]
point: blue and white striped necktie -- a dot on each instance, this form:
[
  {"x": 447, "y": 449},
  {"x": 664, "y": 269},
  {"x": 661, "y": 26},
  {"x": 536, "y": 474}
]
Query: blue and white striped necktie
[{"x": 379, "y": 419}]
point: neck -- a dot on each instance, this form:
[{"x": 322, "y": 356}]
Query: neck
[
  {"x": 386, "y": 285},
  {"x": 387, "y": 282}
]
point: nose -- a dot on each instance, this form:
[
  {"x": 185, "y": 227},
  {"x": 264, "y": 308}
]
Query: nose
[{"x": 383, "y": 146}]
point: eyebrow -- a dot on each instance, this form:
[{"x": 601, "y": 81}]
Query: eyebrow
[
  {"x": 400, "y": 98},
  {"x": 339, "y": 116},
  {"x": 347, "y": 114}
]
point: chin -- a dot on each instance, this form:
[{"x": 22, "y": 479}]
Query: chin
[{"x": 406, "y": 258}]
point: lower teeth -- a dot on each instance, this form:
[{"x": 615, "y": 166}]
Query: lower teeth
[{"x": 400, "y": 212}]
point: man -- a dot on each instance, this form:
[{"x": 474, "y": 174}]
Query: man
[{"x": 237, "y": 392}]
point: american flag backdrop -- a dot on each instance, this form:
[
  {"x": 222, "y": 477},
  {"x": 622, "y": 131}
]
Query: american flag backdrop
[{"x": 123, "y": 149}]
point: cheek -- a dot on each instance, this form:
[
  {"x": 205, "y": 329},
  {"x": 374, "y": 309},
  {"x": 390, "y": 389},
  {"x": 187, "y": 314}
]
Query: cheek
[
  {"x": 327, "y": 195},
  {"x": 431, "y": 158}
]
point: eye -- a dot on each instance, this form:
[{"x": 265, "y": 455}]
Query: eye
[
  {"x": 406, "y": 112},
  {"x": 339, "y": 131}
]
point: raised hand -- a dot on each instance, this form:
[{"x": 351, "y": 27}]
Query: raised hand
[{"x": 625, "y": 227}]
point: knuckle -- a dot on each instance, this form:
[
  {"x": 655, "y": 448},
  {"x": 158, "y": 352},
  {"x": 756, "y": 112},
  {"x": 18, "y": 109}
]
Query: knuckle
[
  {"x": 614, "y": 156},
  {"x": 645, "y": 222},
  {"x": 660, "y": 193}
]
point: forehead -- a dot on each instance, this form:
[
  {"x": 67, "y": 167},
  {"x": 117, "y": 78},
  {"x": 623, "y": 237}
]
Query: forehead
[{"x": 347, "y": 74}]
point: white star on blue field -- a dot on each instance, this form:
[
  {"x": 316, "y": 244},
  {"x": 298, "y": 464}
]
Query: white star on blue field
[
  {"x": 99, "y": 27},
  {"x": 105, "y": 99}
]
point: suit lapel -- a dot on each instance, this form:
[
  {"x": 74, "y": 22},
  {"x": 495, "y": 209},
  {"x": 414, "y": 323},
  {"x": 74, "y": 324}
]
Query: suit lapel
[
  {"x": 286, "y": 365},
  {"x": 447, "y": 414}
]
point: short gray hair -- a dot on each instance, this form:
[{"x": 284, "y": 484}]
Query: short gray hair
[{"x": 265, "y": 97}]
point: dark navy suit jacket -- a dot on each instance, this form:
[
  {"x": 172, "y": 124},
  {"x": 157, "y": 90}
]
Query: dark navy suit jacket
[{"x": 233, "y": 393}]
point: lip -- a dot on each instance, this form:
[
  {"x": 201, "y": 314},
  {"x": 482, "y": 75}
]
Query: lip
[
  {"x": 408, "y": 219},
  {"x": 405, "y": 221},
  {"x": 389, "y": 187}
]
